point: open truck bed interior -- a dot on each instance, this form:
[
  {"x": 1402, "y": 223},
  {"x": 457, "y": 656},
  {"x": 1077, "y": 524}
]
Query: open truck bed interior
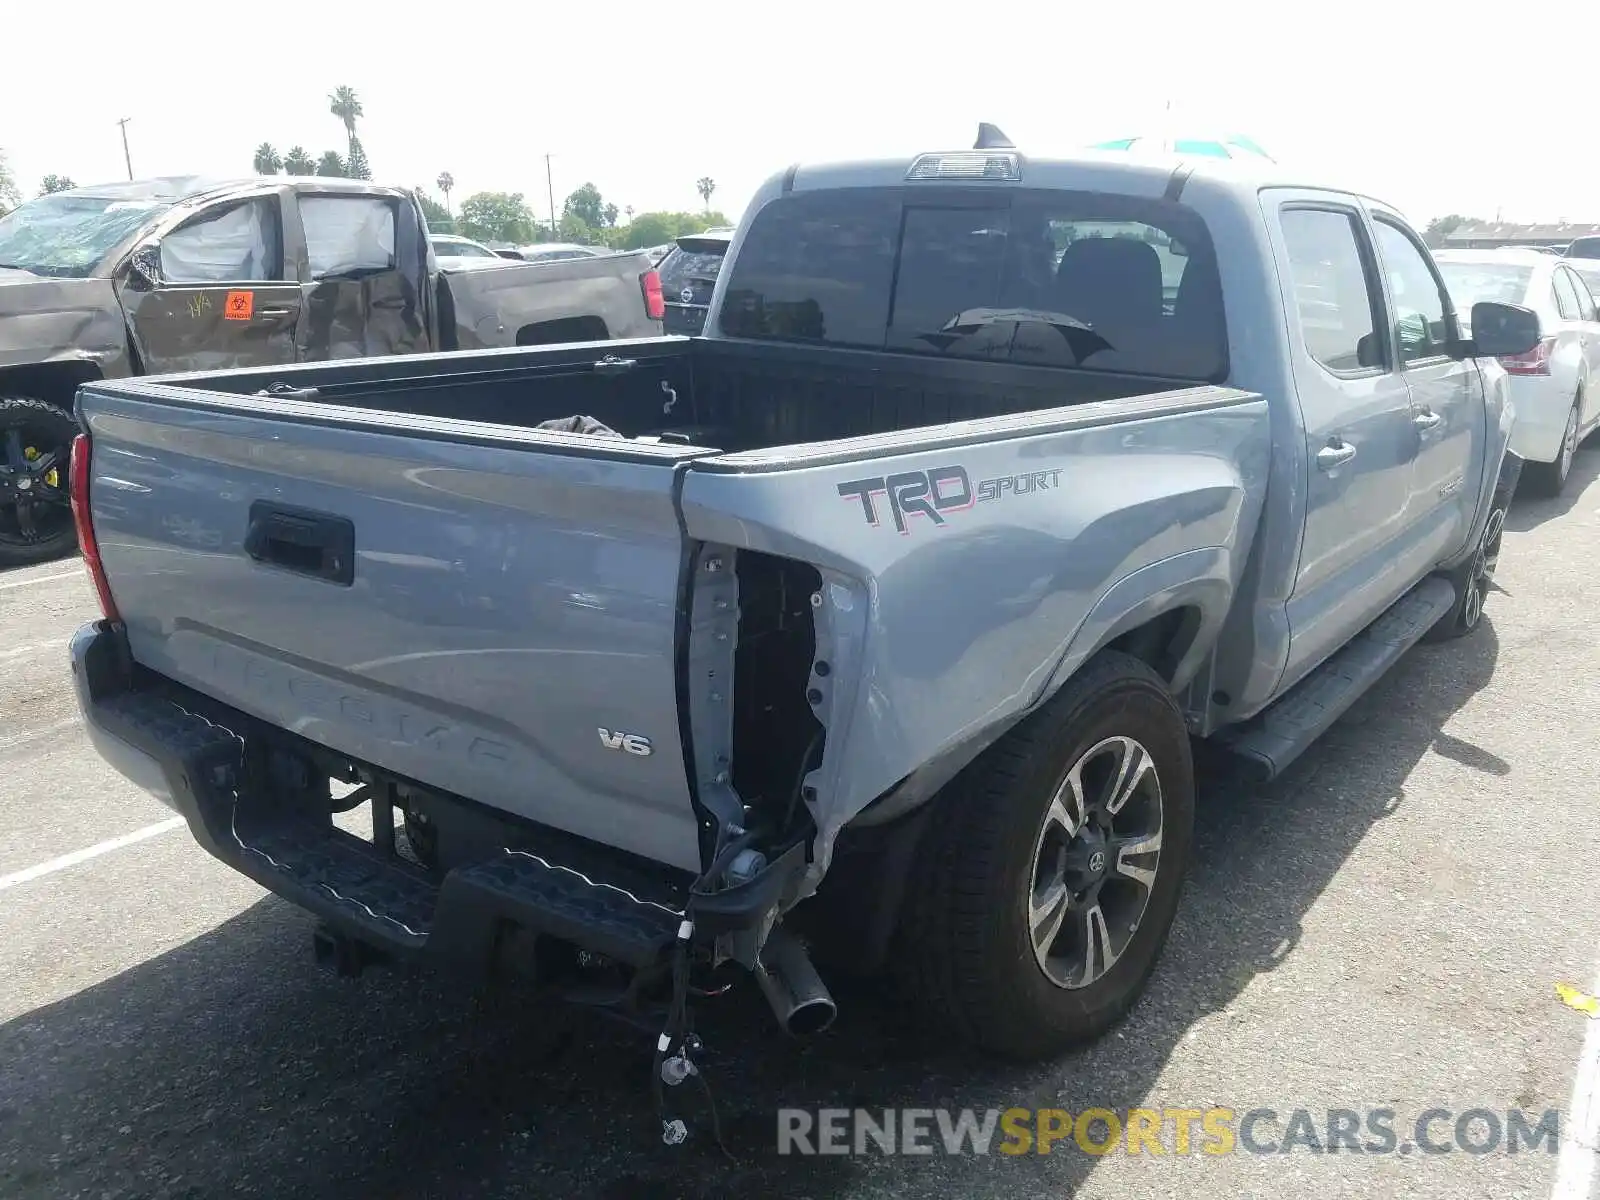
[{"x": 725, "y": 395}]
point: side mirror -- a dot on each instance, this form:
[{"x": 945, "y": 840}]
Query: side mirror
[
  {"x": 1499, "y": 330},
  {"x": 144, "y": 266}
]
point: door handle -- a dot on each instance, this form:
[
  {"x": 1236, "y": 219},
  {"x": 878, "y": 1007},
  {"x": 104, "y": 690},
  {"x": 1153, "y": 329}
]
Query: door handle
[
  {"x": 1426, "y": 420},
  {"x": 1335, "y": 454},
  {"x": 275, "y": 312}
]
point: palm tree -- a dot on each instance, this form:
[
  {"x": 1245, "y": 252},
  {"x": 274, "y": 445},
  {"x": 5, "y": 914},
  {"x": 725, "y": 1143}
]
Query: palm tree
[
  {"x": 343, "y": 103},
  {"x": 267, "y": 160},
  {"x": 298, "y": 162},
  {"x": 446, "y": 184},
  {"x": 705, "y": 185},
  {"x": 330, "y": 164},
  {"x": 629, "y": 211}
]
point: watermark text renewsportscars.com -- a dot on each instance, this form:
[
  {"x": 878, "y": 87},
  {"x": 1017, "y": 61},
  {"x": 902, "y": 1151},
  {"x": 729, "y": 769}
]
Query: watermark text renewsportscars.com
[{"x": 1211, "y": 1131}]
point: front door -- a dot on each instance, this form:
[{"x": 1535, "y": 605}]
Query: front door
[
  {"x": 1357, "y": 416},
  {"x": 1446, "y": 398},
  {"x": 224, "y": 298}
]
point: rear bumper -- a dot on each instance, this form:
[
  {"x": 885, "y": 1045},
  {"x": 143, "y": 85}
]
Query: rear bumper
[
  {"x": 205, "y": 769},
  {"x": 1542, "y": 406}
]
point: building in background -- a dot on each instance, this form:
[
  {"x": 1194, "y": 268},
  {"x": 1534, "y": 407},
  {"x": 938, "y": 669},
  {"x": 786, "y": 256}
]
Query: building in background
[{"x": 1483, "y": 235}]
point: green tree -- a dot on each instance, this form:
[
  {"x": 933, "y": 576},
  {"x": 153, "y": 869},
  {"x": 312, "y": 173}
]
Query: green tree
[
  {"x": 1442, "y": 227},
  {"x": 10, "y": 194},
  {"x": 496, "y": 217},
  {"x": 267, "y": 161},
  {"x": 55, "y": 183},
  {"x": 586, "y": 205},
  {"x": 438, "y": 216},
  {"x": 344, "y": 104},
  {"x": 356, "y": 166},
  {"x": 705, "y": 185},
  {"x": 656, "y": 228},
  {"x": 330, "y": 164},
  {"x": 298, "y": 162},
  {"x": 610, "y": 215},
  {"x": 446, "y": 184}
]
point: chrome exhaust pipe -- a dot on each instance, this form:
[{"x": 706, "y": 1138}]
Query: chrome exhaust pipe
[{"x": 792, "y": 986}]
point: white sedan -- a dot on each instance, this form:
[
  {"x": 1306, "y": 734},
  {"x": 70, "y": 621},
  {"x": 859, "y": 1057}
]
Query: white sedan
[{"x": 1556, "y": 385}]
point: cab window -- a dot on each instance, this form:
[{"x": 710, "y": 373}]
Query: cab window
[
  {"x": 1421, "y": 329},
  {"x": 236, "y": 243}
]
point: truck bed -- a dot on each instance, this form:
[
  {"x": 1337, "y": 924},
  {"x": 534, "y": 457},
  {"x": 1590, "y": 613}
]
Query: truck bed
[{"x": 782, "y": 591}]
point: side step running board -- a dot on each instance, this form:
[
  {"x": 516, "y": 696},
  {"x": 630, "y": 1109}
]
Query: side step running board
[{"x": 1278, "y": 735}]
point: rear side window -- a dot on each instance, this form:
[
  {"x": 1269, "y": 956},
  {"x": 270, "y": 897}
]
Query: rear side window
[
  {"x": 1566, "y": 297},
  {"x": 1096, "y": 281},
  {"x": 1333, "y": 292},
  {"x": 348, "y": 235},
  {"x": 1585, "y": 297}
]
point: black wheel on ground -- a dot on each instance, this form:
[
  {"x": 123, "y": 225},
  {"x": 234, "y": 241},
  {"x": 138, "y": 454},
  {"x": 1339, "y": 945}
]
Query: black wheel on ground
[
  {"x": 1050, "y": 876},
  {"x": 1474, "y": 578},
  {"x": 35, "y": 509},
  {"x": 1550, "y": 479}
]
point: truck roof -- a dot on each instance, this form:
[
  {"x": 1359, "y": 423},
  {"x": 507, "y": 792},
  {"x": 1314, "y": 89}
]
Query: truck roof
[
  {"x": 1138, "y": 174},
  {"x": 189, "y": 187}
]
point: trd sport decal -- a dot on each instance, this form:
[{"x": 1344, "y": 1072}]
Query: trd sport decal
[{"x": 937, "y": 493}]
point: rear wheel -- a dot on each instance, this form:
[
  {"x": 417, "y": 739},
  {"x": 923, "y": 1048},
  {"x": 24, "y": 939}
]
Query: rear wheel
[
  {"x": 1550, "y": 479},
  {"x": 1052, "y": 873},
  {"x": 35, "y": 511}
]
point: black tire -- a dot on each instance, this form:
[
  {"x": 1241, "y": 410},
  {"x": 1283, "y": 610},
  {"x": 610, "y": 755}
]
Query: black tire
[
  {"x": 1474, "y": 579},
  {"x": 964, "y": 948},
  {"x": 44, "y": 531},
  {"x": 1549, "y": 479}
]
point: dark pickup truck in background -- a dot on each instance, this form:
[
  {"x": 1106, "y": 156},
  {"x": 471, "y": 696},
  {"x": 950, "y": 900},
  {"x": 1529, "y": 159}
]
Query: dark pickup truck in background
[{"x": 181, "y": 274}]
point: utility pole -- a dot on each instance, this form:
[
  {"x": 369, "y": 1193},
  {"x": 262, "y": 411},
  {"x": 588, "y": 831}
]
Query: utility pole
[
  {"x": 549, "y": 183},
  {"x": 126, "y": 157}
]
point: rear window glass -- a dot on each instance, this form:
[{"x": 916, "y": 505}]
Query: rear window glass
[
  {"x": 1097, "y": 281},
  {"x": 682, "y": 266},
  {"x": 1471, "y": 282}
]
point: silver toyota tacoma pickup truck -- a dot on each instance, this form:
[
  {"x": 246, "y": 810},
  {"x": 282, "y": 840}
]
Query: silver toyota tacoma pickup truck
[{"x": 871, "y": 630}]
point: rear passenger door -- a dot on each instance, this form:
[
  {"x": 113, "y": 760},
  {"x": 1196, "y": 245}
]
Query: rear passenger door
[
  {"x": 1357, "y": 417},
  {"x": 1448, "y": 422},
  {"x": 364, "y": 275}
]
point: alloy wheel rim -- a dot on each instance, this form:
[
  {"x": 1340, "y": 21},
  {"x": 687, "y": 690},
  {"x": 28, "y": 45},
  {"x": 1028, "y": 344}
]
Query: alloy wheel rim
[
  {"x": 34, "y": 506},
  {"x": 1569, "y": 443},
  {"x": 1095, "y": 861}
]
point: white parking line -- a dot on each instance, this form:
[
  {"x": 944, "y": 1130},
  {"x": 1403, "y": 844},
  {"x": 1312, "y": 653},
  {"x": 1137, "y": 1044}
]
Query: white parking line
[
  {"x": 84, "y": 855},
  {"x": 8, "y": 584},
  {"x": 1580, "y": 1142}
]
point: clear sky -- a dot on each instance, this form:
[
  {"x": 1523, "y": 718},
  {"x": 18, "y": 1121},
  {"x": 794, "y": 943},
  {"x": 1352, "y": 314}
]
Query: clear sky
[{"x": 1427, "y": 106}]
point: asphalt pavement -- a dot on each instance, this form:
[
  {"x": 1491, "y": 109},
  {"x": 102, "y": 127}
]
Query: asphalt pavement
[{"x": 1383, "y": 928}]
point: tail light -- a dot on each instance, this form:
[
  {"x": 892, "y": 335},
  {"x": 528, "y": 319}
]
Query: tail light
[
  {"x": 655, "y": 306},
  {"x": 78, "y": 485},
  {"x": 1532, "y": 362}
]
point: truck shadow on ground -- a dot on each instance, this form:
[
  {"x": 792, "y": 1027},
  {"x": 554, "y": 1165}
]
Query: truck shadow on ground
[
  {"x": 1529, "y": 511},
  {"x": 229, "y": 1065}
]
